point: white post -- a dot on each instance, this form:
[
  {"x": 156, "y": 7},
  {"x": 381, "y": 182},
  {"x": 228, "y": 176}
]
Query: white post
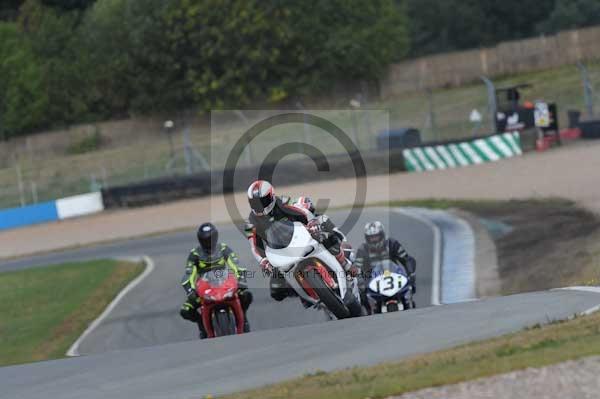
[
  {"x": 34, "y": 194},
  {"x": 20, "y": 183}
]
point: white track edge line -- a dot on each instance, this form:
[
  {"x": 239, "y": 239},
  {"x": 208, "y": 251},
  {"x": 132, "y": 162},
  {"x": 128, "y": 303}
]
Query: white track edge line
[
  {"x": 583, "y": 288},
  {"x": 437, "y": 249},
  {"x": 74, "y": 349}
]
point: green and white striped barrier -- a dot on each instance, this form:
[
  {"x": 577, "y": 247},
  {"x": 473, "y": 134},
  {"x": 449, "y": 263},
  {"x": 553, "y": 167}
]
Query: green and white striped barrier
[{"x": 489, "y": 149}]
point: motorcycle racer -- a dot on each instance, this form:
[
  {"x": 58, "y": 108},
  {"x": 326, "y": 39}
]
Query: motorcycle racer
[
  {"x": 267, "y": 208},
  {"x": 210, "y": 254},
  {"x": 376, "y": 248}
]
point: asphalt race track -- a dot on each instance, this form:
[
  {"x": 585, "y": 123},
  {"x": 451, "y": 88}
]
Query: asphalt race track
[
  {"x": 149, "y": 316},
  {"x": 143, "y": 349},
  {"x": 191, "y": 370}
]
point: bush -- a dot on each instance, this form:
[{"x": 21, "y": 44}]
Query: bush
[
  {"x": 79, "y": 61},
  {"x": 89, "y": 143}
]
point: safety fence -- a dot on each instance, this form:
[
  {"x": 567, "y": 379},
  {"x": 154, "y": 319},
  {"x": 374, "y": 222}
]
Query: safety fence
[
  {"x": 453, "y": 155},
  {"x": 442, "y": 156}
]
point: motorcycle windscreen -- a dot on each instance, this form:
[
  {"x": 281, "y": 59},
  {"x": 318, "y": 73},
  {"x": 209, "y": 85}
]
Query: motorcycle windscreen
[
  {"x": 279, "y": 234},
  {"x": 216, "y": 277},
  {"x": 386, "y": 265}
]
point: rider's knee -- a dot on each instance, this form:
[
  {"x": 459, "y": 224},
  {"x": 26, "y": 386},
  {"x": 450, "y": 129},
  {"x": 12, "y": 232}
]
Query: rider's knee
[
  {"x": 411, "y": 264},
  {"x": 189, "y": 312},
  {"x": 246, "y": 299}
]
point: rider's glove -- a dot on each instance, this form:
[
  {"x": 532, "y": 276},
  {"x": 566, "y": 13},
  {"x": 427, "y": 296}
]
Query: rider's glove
[
  {"x": 266, "y": 266},
  {"x": 315, "y": 229},
  {"x": 354, "y": 271},
  {"x": 242, "y": 281}
]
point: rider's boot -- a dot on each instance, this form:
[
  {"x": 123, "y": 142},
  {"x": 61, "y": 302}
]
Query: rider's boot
[
  {"x": 278, "y": 287},
  {"x": 202, "y": 334},
  {"x": 305, "y": 303},
  {"x": 412, "y": 279},
  {"x": 246, "y": 324}
]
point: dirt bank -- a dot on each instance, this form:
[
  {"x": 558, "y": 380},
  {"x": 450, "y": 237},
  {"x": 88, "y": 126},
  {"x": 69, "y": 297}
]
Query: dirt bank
[{"x": 542, "y": 244}]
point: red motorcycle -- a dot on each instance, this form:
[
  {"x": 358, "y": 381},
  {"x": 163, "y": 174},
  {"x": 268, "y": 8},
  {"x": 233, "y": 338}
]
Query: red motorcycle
[{"x": 221, "y": 308}]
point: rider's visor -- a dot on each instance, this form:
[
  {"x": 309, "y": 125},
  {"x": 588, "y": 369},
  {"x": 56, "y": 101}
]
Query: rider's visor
[
  {"x": 374, "y": 239},
  {"x": 260, "y": 205}
]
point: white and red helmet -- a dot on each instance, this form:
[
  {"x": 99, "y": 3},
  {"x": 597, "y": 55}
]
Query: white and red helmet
[{"x": 261, "y": 197}]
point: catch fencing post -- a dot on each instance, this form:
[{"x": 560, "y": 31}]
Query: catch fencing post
[
  {"x": 492, "y": 106},
  {"x": 20, "y": 183},
  {"x": 34, "y": 194},
  {"x": 249, "y": 155},
  {"x": 588, "y": 89},
  {"x": 431, "y": 116}
]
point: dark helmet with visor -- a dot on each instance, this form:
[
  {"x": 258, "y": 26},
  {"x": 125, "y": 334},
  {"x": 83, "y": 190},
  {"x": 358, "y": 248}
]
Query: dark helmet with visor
[{"x": 208, "y": 237}]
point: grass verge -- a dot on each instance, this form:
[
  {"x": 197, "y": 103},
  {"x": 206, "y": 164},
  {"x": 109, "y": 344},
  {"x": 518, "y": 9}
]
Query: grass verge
[
  {"x": 478, "y": 205},
  {"x": 44, "y": 310},
  {"x": 535, "y": 347}
]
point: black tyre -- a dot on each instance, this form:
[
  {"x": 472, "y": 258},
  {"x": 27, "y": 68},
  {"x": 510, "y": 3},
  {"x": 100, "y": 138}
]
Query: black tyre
[
  {"x": 392, "y": 307},
  {"x": 327, "y": 295},
  {"x": 223, "y": 322}
]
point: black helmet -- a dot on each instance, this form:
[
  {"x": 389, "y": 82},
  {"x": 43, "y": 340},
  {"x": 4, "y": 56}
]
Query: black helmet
[
  {"x": 375, "y": 236},
  {"x": 261, "y": 197},
  {"x": 208, "y": 236}
]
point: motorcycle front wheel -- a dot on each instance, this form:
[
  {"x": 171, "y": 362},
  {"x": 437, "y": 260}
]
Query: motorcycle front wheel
[
  {"x": 327, "y": 295},
  {"x": 393, "y": 307},
  {"x": 223, "y": 322}
]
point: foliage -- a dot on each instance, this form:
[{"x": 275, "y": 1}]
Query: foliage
[
  {"x": 460, "y": 24},
  {"x": 83, "y": 60},
  {"x": 570, "y": 14},
  {"x": 68, "y": 5},
  {"x": 71, "y": 61},
  {"x": 88, "y": 143},
  {"x": 9, "y": 9},
  {"x": 22, "y": 100}
]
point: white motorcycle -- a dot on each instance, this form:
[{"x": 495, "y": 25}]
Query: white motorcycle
[{"x": 311, "y": 270}]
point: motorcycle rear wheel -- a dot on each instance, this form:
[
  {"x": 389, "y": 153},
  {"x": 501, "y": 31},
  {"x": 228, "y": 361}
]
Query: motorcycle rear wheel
[{"x": 327, "y": 296}]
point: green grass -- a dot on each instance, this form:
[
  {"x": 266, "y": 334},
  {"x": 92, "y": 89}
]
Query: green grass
[
  {"x": 470, "y": 204},
  {"x": 452, "y": 106},
  {"x": 534, "y": 347},
  {"x": 44, "y": 310}
]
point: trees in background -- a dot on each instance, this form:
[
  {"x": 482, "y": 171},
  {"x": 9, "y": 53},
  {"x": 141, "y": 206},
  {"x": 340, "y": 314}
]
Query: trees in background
[
  {"x": 79, "y": 60},
  {"x": 70, "y": 61},
  {"x": 570, "y": 14},
  {"x": 448, "y": 25}
]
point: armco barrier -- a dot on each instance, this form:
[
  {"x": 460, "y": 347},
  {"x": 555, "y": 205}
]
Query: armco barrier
[
  {"x": 79, "y": 205},
  {"x": 51, "y": 211},
  {"x": 286, "y": 173},
  {"x": 444, "y": 156},
  {"x": 31, "y": 214}
]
